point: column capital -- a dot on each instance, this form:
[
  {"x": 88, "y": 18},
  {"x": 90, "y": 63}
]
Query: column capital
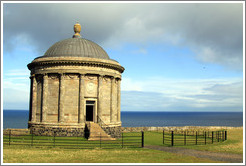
[
  {"x": 61, "y": 75},
  {"x": 45, "y": 75},
  {"x": 32, "y": 76},
  {"x": 81, "y": 75},
  {"x": 100, "y": 78},
  {"x": 118, "y": 78},
  {"x": 113, "y": 77}
]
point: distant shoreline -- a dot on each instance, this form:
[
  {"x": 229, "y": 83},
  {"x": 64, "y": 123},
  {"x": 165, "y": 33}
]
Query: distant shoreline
[{"x": 158, "y": 111}]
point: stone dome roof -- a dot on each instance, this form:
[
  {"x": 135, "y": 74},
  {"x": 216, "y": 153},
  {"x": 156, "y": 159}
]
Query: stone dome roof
[{"x": 76, "y": 47}]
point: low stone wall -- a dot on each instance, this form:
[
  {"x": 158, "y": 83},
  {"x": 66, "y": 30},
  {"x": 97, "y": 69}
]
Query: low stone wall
[
  {"x": 175, "y": 128},
  {"x": 50, "y": 131},
  {"x": 16, "y": 131},
  {"x": 114, "y": 132}
]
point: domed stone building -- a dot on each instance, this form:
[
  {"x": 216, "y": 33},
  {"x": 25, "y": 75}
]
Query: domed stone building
[{"x": 73, "y": 84}]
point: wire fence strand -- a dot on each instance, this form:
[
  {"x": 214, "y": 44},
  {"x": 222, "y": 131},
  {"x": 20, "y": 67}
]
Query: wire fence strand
[
  {"x": 127, "y": 140},
  {"x": 173, "y": 138}
]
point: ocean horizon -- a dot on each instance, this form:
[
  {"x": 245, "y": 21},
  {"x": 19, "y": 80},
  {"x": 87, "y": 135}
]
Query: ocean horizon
[{"x": 19, "y": 119}]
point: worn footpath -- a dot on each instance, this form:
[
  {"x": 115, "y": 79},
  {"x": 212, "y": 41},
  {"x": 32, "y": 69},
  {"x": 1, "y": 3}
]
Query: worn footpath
[{"x": 224, "y": 157}]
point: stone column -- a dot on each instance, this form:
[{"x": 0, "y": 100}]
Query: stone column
[
  {"x": 33, "y": 98},
  {"x": 118, "y": 100},
  {"x": 99, "y": 108},
  {"x": 61, "y": 99},
  {"x": 113, "y": 101},
  {"x": 44, "y": 97},
  {"x": 30, "y": 100},
  {"x": 81, "y": 118}
]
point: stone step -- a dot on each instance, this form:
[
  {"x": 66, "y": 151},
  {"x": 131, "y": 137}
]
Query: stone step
[{"x": 97, "y": 133}]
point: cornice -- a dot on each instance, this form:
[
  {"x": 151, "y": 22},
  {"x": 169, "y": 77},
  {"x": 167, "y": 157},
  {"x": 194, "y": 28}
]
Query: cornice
[{"x": 75, "y": 63}]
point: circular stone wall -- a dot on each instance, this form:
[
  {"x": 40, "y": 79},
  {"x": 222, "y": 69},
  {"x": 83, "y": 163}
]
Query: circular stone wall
[{"x": 68, "y": 92}]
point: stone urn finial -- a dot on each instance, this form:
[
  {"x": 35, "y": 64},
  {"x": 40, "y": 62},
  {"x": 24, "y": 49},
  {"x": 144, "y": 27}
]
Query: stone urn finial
[{"x": 77, "y": 29}]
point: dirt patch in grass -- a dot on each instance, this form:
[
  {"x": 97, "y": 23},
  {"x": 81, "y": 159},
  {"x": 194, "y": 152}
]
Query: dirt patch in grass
[{"x": 226, "y": 157}]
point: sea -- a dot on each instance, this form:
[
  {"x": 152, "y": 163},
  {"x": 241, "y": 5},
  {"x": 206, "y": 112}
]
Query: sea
[{"x": 19, "y": 119}]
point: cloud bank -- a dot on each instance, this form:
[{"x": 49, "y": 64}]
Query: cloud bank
[
  {"x": 213, "y": 31},
  {"x": 160, "y": 94}
]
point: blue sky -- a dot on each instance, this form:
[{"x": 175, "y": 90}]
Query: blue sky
[{"x": 177, "y": 56}]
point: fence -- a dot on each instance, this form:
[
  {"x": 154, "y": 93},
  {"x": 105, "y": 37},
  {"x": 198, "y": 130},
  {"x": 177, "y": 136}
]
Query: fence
[
  {"x": 127, "y": 140},
  {"x": 172, "y": 138}
]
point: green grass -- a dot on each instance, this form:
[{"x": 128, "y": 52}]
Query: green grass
[
  {"x": 233, "y": 144},
  {"x": 25, "y": 154},
  {"x": 50, "y": 154},
  {"x": 156, "y": 138}
]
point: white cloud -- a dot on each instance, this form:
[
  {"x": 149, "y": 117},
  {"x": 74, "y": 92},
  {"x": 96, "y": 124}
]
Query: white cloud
[
  {"x": 17, "y": 72},
  {"x": 9, "y": 84},
  {"x": 160, "y": 94},
  {"x": 12, "y": 95},
  {"x": 16, "y": 89},
  {"x": 16, "y": 79},
  {"x": 214, "y": 31},
  {"x": 130, "y": 85}
]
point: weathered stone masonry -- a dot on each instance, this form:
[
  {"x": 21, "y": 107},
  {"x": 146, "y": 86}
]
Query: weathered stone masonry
[{"x": 73, "y": 83}]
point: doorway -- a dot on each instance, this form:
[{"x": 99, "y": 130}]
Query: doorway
[{"x": 90, "y": 110}]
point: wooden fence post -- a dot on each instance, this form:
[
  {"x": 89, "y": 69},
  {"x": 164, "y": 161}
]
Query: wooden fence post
[
  {"x": 172, "y": 139},
  {"x": 184, "y": 138},
  {"x": 100, "y": 140},
  {"x": 54, "y": 139},
  {"x": 32, "y": 139},
  {"x": 9, "y": 136},
  {"x": 225, "y": 135},
  {"x": 163, "y": 136},
  {"x": 122, "y": 139},
  {"x": 218, "y": 136},
  {"x": 196, "y": 137},
  {"x": 212, "y": 137},
  {"x": 205, "y": 137},
  {"x": 142, "y": 139}
]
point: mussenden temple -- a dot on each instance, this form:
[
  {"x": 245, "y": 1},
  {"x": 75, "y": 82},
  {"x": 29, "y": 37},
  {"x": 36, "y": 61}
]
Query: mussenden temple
[{"x": 75, "y": 86}]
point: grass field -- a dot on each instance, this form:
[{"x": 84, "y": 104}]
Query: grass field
[
  {"x": 234, "y": 143},
  {"x": 56, "y": 155},
  {"x": 28, "y": 154}
]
